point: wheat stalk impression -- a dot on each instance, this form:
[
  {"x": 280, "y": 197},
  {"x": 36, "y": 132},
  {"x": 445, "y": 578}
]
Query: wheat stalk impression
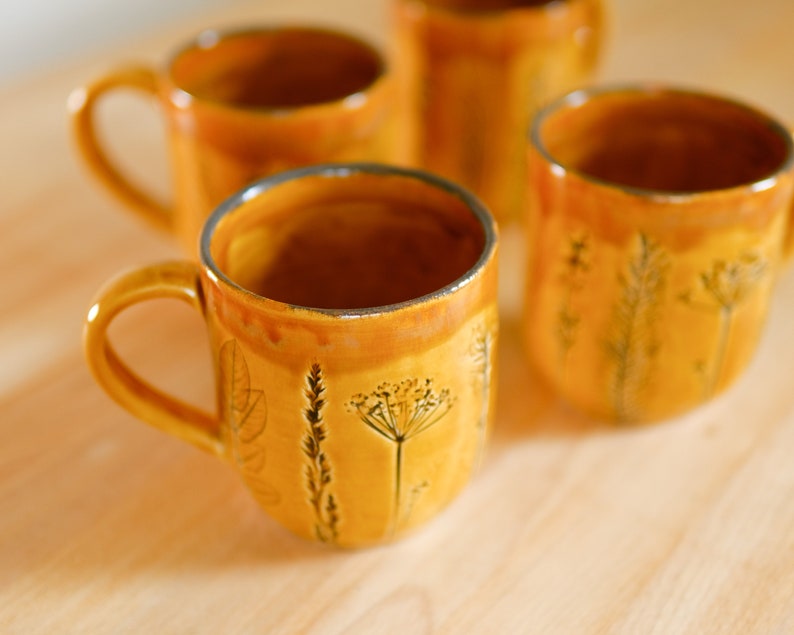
[{"x": 318, "y": 469}]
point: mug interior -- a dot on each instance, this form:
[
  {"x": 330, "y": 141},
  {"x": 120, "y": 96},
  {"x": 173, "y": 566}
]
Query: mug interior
[
  {"x": 277, "y": 68},
  {"x": 662, "y": 140},
  {"x": 347, "y": 240},
  {"x": 487, "y": 5}
]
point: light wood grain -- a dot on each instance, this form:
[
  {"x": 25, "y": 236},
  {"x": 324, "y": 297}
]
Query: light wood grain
[{"x": 107, "y": 526}]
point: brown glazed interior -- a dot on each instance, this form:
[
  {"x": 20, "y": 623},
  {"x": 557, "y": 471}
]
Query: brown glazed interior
[
  {"x": 666, "y": 141},
  {"x": 487, "y": 5},
  {"x": 362, "y": 241},
  {"x": 278, "y": 68}
]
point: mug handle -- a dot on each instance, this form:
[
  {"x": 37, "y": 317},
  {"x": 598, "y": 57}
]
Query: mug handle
[
  {"x": 179, "y": 280},
  {"x": 81, "y": 105}
]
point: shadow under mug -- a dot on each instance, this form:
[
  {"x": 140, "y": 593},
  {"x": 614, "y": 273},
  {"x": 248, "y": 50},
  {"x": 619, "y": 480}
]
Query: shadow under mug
[
  {"x": 352, "y": 317},
  {"x": 470, "y": 75},
  {"x": 242, "y": 105},
  {"x": 659, "y": 220}
]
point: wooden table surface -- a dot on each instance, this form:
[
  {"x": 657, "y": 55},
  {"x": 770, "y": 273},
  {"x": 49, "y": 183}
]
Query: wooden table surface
[{"x": 108, "y": 526}]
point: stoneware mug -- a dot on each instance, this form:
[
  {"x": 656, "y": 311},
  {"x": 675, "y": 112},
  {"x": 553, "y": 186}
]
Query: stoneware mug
[
  {"x": 658, "y": 223},
  {"x": 472, "y": 72},
  {"x": 240, "y": 105},
  {"x": 352, "y": 316}
]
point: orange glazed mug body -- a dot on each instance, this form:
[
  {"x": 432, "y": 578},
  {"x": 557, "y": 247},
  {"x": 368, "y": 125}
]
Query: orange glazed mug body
[
  {"x": 242, "y": 105},
  {"x": 658, "y": 222},
  {"x": 352, "y": 318},
  {"x": 472, "y": 72}
]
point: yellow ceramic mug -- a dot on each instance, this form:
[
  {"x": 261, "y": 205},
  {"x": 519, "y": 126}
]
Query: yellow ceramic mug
[
  {"x": 352, "y": 317},
  {"x": 472, "y": 72},
  {"x": 658, "y": 224},
  {"x": 242, "y": 105}
]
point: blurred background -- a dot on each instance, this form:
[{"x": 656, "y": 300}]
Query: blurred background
[
  {"x": 34, "y": 33},
  {"x": 37, "y": 34}
]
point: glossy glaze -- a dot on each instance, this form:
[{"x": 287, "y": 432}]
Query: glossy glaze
[
  {"x": 657, "y": 225},
  {"x": 350, "y": 422},
  {"x": 471, "y": 74},
  {"x": 242, "y": 105}
]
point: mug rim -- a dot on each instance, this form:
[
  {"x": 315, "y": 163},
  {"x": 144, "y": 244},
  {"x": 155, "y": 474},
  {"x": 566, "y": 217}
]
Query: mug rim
[
  {"x": 581, "y": 96},
  {"x": 211, "y": 37},
  {"x": 259, "y": 187},
  {"x": 541, "y": 8}
]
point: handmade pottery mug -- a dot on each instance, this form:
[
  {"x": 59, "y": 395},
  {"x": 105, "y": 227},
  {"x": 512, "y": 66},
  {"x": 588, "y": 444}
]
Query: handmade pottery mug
[
  {"x": 471, "y": 73},
  {"x": 352, "y": 315},
  {"x": 242, "y": 105},
  {"x": 658, "y": 221}
]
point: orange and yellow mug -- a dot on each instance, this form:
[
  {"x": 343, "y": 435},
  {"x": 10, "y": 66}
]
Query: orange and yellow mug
[
  {"x": 352, "y": 316},
  {"x": 471, "y": 73},
  {"x": 242, "y": 105},
  {"x": 658, "y": 223}
]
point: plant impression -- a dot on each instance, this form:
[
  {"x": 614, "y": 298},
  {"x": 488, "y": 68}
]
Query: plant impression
[
  {"x": 727, "y": 285},
  {"x": 482, "y": 350},
  {"x": 318, "y": 470},
  {"x": 576, "y": 265},
  {"x": 399, "y": 412},
  {"x": 245, "y": 410},
  {"x": 632, "y": 342}
]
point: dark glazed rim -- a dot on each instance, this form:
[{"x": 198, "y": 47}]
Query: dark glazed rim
[
  {"x": 342, "y": 170},
  {"x": 580, "y": 97},
  {"x": 210, "y": 38},
  {"x": 549, "y": 5}
]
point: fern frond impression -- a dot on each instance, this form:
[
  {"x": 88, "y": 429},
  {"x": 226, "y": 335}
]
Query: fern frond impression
[{"x": 633, "y": 343}]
